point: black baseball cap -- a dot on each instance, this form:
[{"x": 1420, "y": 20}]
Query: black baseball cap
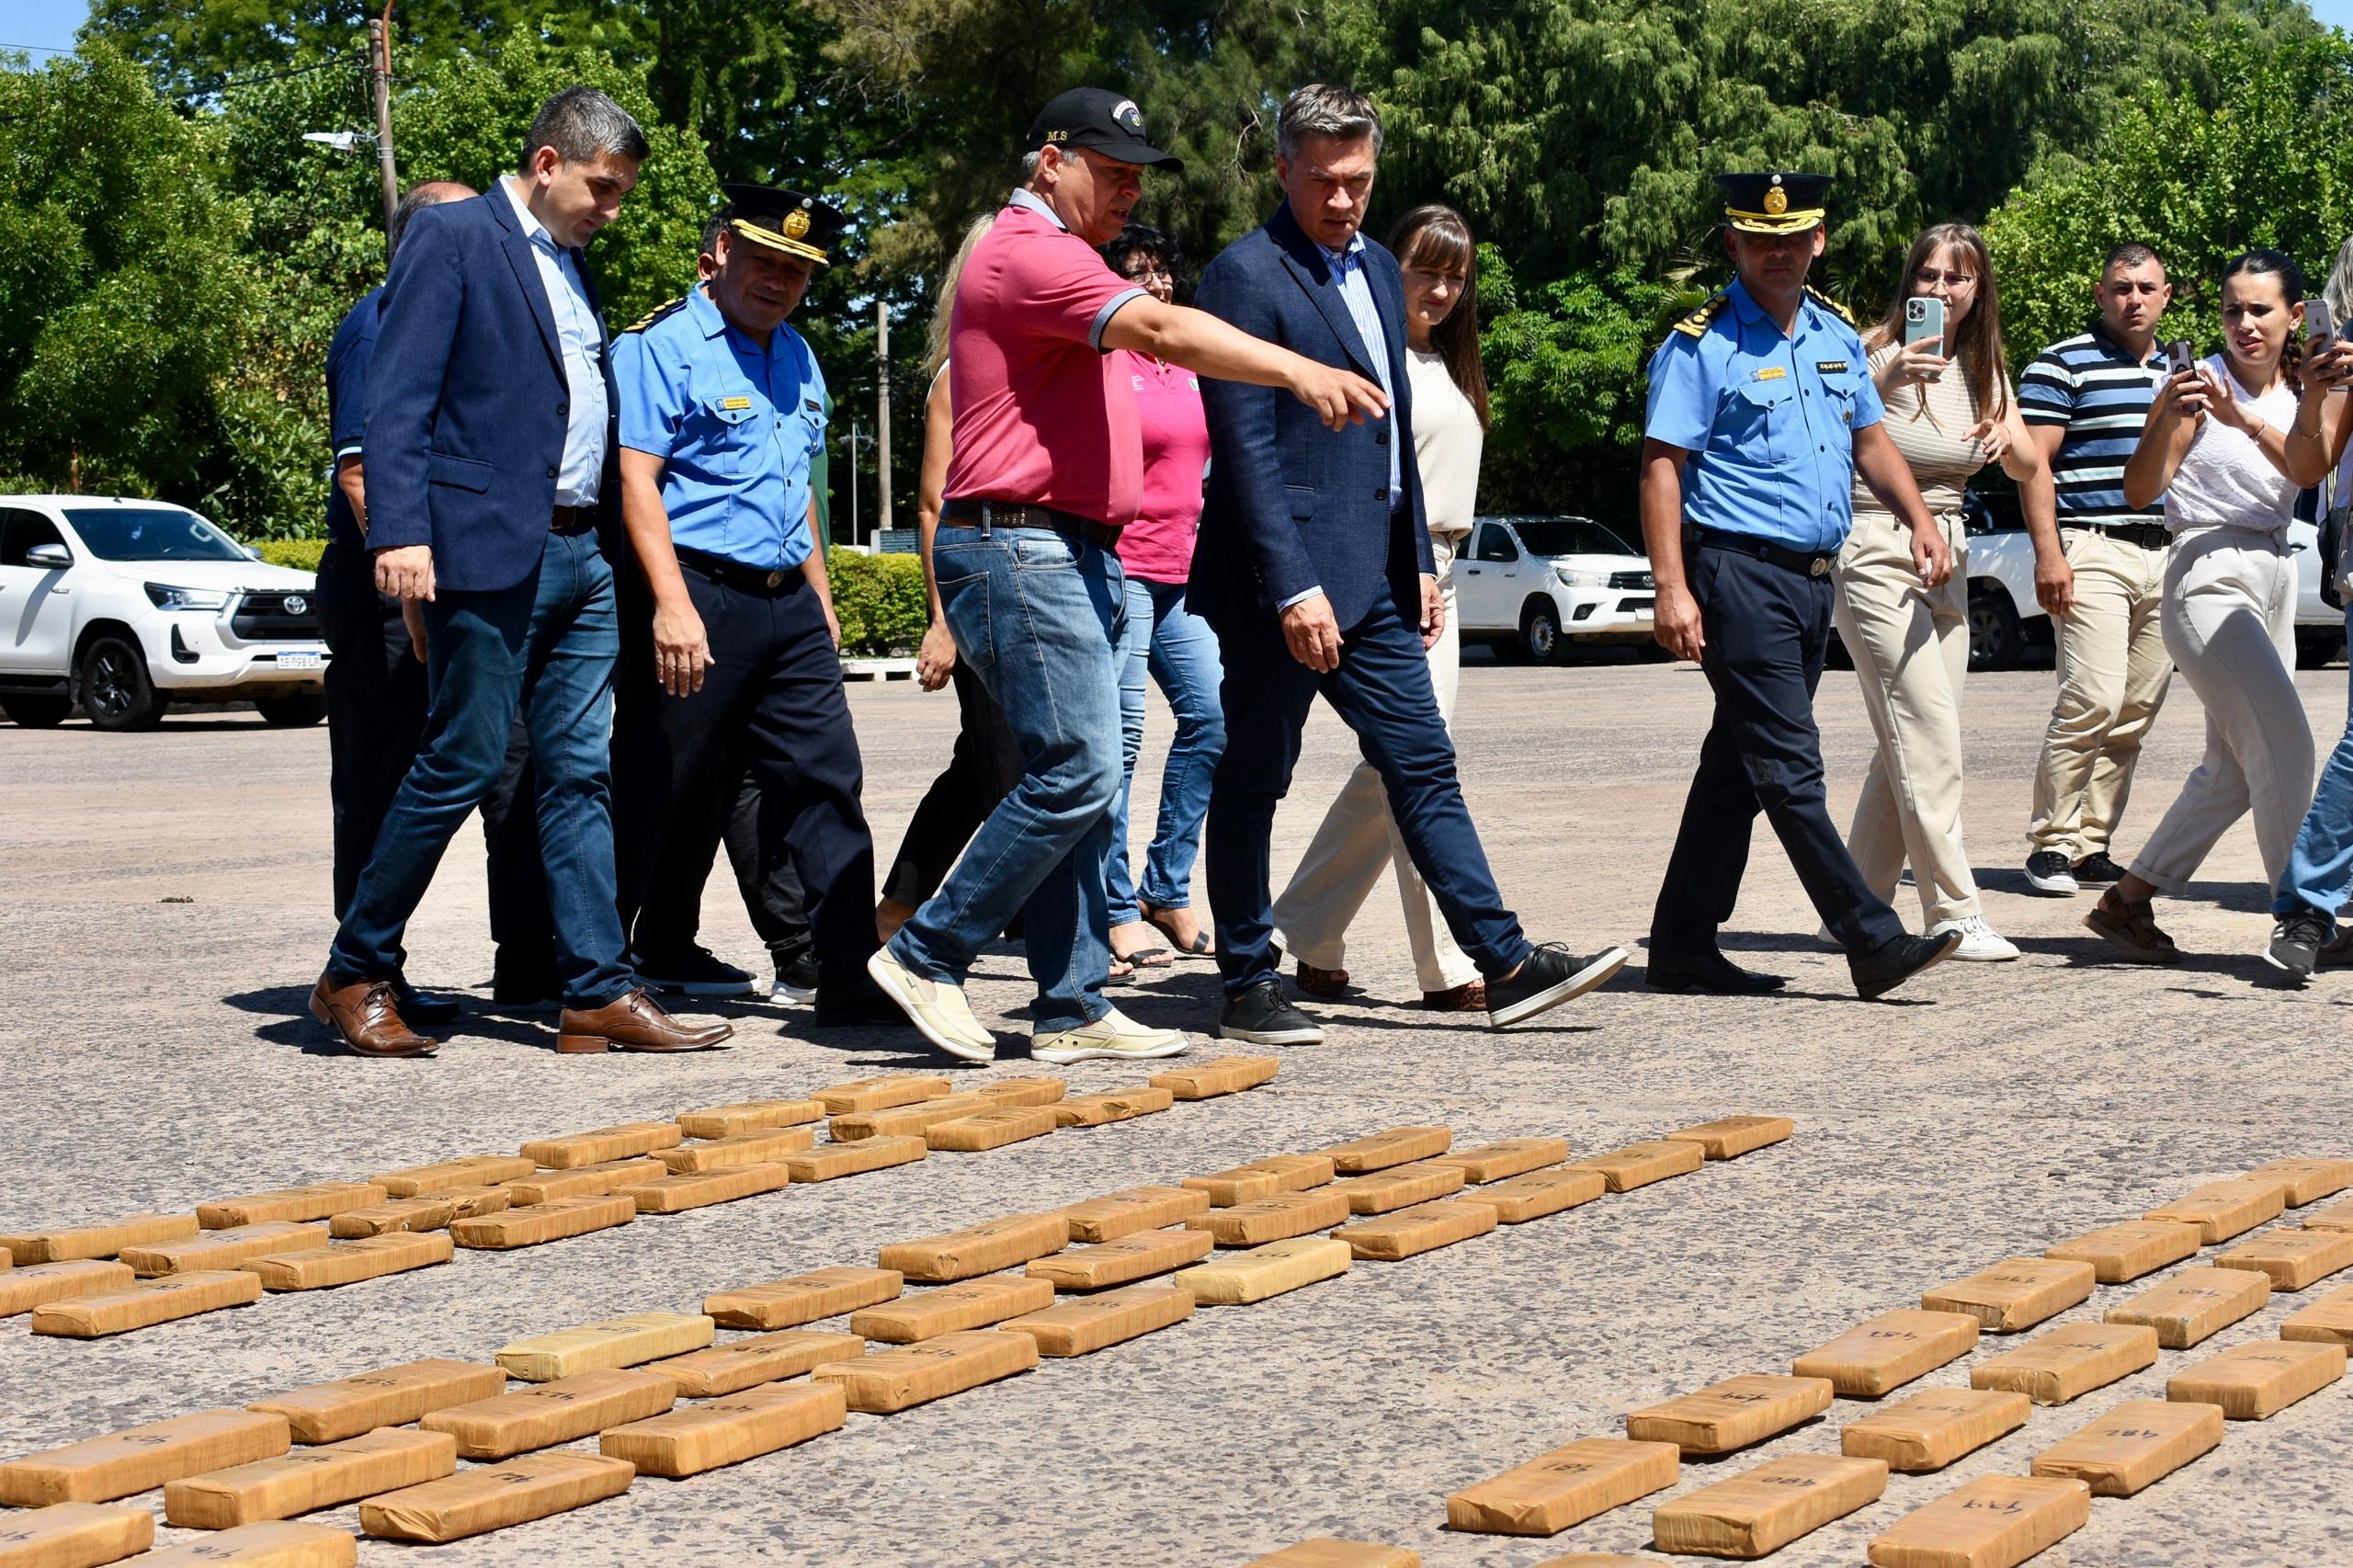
[{"x": 1108, "y": 121}]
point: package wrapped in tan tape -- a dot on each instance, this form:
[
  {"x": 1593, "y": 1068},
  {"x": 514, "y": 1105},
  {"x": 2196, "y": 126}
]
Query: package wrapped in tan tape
[
  {"x": 2256, "y": 1380},
  {"x": 764, "y": 1359},
  {"x": 991, "y": 1129},
  {"x": 136, "y": 1459},
  {"x": 1730, "y": 1137},
  {"x": 582, "y": 1181},
  {"x": 2069, "y": 1362},
  {"x": 2016, "y": 1293},
  {"x": 1890, "y": 1351},
  {"x": 2308, "y": 1181},
  {"x": 1762, "y": 1510},
  {"x": 675, "y": 1194},
  {"x": 952, "y": 1309},
  {"x": 277, "y": 1544},
  {"x": 906, "y": 1120},
  {"x": 1124, "y": 1261},
  {"x": 1565, "y": 1488},
  {"x": 1219, "y": 1075},
  {"x": 1531, "y": 1196},
  {"x": 1115, "y": 1104},
  {"x": 73, "y": 1535},
  {"x": 1331, "y": 1551},
  {"x": 760, "y": 1148},
  {"x": 802, "y": 1298},
  {"x": 1505, "y": 1157},
  {"x": 2221, "y": 1209},
  {"x": 2292, "y": 1259},
  {"x": 2335, "y": 1217},
  {"x": 2326, "y": 1321},
  {"x": 1599, "y": 1560},
  {"x": 629, "y": 1140},
  {"x": 393, "y": 1214},
  {"x": 308, "y": 1479},
  {"x": 1409, "y": 1233},
  {"x": 1995, "y": 1521},
  {"x": 1274, "y": 1219},
  {"x": 2195, "y": 1303},
  {"x": 544, "y": 1414},
  {"x": 1734, "y": 1413},
  {"x": 978, "y": 1249},
  {"x": 1083, "y": 1327},
  {"x": 388, "y": 1396},
  {"x": 892, "y": 1380},
  {"x": 1030, "y": 1092},
  {"x": 600, "y": 1346},
  {"x": 2135, "y": 1444},
  {"x": 472, "y": 1201},
  {"x": 477, "y": 1500},
  {"x": 223, "y": 1248},
  {"x": 288, "y": 1205},
  {"x": 147, "y": 1303},
  {"x": 1931, "y": 1430},
  {"x": 1397, "y": 1146},
  {"x": 1120, "y": 1214},
  {"x": 2121, "y": 1252},
  {"x": 471, "y": 1170},
  {"x": 728, "y": 1430},
  {"x": 1263, "y": 1178},
  {"x": 886, "y": 1092},
  {"x": 1400, "y": 1187},
  {"x": 749, "y": 1116},
  {"x": 1639, "y": 1164},
  {"x": 22, "y": 1290},
  {"x": 854, "y": 1159},
  {"x": 80, "y": 1242},
  {"x": 347, "y": 1263},
  {"x": 1265, "y": 1271},
  {"x": 536, "y": 1222}
]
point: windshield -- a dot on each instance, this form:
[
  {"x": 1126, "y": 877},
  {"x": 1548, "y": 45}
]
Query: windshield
[
  {"x": 151, "y": 533},
  {"x": 1568, "y": 535}
]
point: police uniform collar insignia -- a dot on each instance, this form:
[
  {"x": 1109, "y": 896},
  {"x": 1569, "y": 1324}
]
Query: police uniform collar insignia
[
  {"x": 1827, "y": 303},
  {"x": 665, "y": 307},
  {"x": 788, "y": 220}
]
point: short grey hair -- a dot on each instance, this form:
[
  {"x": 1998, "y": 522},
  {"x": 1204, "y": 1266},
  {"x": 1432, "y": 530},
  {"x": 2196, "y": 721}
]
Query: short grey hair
[
  {"x": 1320, "y": 108},
  {"x": 1030, "y": 163},
  {"x": 420, "y": 195},
  {"x": 579, "y": 123}
]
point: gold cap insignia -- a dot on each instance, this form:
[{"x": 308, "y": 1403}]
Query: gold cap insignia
[
  {"x": 796, "y": 223},
  {"x": 1777, "y": 201}
]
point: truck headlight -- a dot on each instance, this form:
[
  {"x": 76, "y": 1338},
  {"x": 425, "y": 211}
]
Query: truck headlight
[
  {"x": 164, "y": 596},
  {"x": 1572, "y": 577}
]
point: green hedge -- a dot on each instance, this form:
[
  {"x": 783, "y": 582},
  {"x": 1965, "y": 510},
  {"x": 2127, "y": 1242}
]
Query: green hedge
[
  {"x": 302, "y": 554},
  {"x": 880, "y": 600}
]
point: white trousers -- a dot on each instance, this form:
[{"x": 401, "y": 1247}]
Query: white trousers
[
  {"x": 2230, "y": 624},
  {"x": 1359, "y": 840},
  {"x": 2113, "y": 678}
]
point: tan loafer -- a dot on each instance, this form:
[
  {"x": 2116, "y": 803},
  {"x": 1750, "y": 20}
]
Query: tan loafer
[
  {"x": 633, "y": 1021},
  {"x": 366, "y": 1014}
]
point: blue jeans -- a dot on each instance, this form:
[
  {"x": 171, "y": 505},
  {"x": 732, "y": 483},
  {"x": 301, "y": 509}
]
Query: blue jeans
[
  {"x": 1180, "y": 651},
  {"x": 2320, "y": 868},
  {"x": 546, "y": 645},
  {"x": 1038, "y": 615}
]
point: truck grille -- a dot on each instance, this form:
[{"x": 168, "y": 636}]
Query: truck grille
[
  {"x": 1631, "y": 580},
  {"x": 272, "y": 616}
]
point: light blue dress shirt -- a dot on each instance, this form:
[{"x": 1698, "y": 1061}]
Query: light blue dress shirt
[
  {"x": 582, "y": 340},
  {"x": 1356, "y": 289}
]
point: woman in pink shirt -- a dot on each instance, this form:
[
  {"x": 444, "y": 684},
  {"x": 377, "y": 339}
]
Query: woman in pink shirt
[{"x": 1162, "y": 637}]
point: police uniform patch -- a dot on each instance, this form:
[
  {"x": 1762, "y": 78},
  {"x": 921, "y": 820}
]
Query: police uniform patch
[
  {"x": 1772, "y": 373},
  {"x": 813, "y": 405},
  {"x": 1827, "y": 303},
  {"x": 1696, "y": 325},
  {"x": 656, "y": 314},
  {"x": 1831, "y": 367},
  {"x": 734, "y": 403}
]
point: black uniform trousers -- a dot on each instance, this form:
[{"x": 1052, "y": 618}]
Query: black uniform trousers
[
  {"x": 723, "y": 807},
  {"x": 1768, "y": 628},
  {"x": 984, "y": 768},
  {"x": 775, "y": 692}
]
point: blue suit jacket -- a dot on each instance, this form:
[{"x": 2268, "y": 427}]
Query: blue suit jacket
[
  {"x": 467, "y": 399},
  {"x": 1291, "y": 505}
]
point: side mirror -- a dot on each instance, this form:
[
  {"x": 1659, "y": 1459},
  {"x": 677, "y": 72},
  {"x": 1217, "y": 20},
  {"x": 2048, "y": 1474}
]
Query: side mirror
[
  {"x": 51, "y": 557},
  {"x": 253, "y": 552}
]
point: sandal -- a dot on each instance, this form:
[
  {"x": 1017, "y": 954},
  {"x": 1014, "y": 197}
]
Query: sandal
[
  {"x": 2132, "y": 930},
  {"x": 1200, "y": 946},
  {"x": 1145, "y": 958}
]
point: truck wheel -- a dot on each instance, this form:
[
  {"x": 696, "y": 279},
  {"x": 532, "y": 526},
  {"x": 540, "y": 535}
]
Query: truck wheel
[
  {"x": 36, "y": 712},
  {"x": 115, "y": 690},
  {"x": 2318, "y": 650},
  {"x": 294, "y": 709},
  {"x": 1540, "y": 632},
  {"x": 1995, "y": 636}
]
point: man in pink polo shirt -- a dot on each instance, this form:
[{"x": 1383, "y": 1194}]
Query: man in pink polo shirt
[{"x": 1047, "y": 470}]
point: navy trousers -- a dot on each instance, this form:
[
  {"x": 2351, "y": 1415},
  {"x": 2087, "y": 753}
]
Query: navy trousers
[
  {"x": 1768, "y": 628},
  {"x": 1380, "y": 690}
]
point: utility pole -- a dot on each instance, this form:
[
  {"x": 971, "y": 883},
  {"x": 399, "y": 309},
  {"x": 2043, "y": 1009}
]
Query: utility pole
[
  {"x": 380, "y": 67},
  {"x": 882, "y": 402},
  {"x": 857, "y": 437}
]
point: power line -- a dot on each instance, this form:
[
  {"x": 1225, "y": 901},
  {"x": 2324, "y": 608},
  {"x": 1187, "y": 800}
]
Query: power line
[
  {"x": 336, "y": 62},
  {"x": 34, "y": 49}
]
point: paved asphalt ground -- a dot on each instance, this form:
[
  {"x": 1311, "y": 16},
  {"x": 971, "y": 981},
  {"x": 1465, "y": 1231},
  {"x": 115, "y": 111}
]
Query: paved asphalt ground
[{"x": 166, "y": 908}]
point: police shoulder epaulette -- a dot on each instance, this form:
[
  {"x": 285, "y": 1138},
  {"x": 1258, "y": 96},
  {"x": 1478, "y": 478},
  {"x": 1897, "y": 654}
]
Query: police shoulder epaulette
[
  {"x": 1696, "y": 323},
  {"x": 1827, "y": 303},
  {"x": 656, "y": 314}
]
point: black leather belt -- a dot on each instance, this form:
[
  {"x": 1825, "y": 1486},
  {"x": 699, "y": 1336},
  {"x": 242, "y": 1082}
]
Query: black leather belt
[
  {"x": 735, "y": 574},
  {"x": 2148, "y": 535},
  {"x": 1806, "y": 563},
  {"x": 989, "y": 515},
  {"x": 572, "y": 520}
]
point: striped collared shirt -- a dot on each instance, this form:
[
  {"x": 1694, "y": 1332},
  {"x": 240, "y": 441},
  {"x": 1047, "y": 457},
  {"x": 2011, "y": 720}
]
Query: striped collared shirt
[{"x": 2091, "y": 386}]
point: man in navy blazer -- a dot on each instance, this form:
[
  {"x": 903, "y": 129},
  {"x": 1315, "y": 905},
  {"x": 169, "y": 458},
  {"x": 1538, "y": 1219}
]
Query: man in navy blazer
[
  {"x": 489, "y": 457},
  {"x": 1314, "y": 566}
]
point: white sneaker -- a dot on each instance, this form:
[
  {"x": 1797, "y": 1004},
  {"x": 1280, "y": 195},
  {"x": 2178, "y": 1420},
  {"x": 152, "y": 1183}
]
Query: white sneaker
[
  {"x": 1113, "y": 1037},
  {"x": 1980, "y": 943},
  {"x": 937, "y": 1007}
]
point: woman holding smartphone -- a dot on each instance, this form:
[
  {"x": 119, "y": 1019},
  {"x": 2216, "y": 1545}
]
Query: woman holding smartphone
[
  {"x": 2228, "y": 444},
  {"x": 1950, "y": 411}
]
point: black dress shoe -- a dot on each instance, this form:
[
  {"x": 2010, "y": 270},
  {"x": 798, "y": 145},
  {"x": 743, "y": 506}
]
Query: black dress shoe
[
  {"x": 1264, "y": 1015},
  {"x": 525, "y": 988},
  {"x": 422, "y": 1006},
  {"x": 862, "y": 1006},
  {"x": 1897, "y": 960},
  {"x": 1550, "y": 975},
  {"x": 1713, "y": 972}
]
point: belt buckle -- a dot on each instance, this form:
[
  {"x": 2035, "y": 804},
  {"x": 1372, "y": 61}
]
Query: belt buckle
[
  {"x": 1820, "y": 564},
  {"x": 775, "y": 578}
]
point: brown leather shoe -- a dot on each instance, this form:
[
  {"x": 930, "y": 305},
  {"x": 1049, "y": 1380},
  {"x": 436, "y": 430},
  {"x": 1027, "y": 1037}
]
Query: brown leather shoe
[
  {"x": 1469, "y": 997},
  {"x": 633, "y": 1022},
  {"x": 1325, "y": 983},
  {"x": 367, "y": 1016}
]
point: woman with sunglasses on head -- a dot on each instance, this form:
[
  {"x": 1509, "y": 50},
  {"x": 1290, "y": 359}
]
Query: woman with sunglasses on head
[
  {"x": 2229, "y": 443},
  {"x": 1951, "y": 412}
]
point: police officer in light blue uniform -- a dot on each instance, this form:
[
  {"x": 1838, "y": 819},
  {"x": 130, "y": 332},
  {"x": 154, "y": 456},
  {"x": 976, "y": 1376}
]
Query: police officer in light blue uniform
[
  {"x": 1762, "y": 411},
  {"x": 721, "y": 414}
]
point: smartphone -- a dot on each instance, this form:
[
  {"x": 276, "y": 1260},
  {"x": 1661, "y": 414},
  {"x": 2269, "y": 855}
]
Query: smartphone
[
  {"x": 2180, "y": 357},
  {"x": 1924, "y": 316},
  {"x": 2320, "y": 327}
]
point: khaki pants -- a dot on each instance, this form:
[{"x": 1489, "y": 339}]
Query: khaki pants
[
  {"x": 1359, "y": 840},
  {"x": 2113, "y": 670},
  {"x": 2230, "y": 623},
  {"x": 1910, "y": 645}
]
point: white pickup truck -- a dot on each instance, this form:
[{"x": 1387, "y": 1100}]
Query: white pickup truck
[{"x": 1534, "y": 584}]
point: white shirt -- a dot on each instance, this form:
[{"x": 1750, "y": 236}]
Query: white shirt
[
  {"x": 582, "y": 340},
  {"x": 1447, "y": 443},
  {"x": 2224, "y": 480}
]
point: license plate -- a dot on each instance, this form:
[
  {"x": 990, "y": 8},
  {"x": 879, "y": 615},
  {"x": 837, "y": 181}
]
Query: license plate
[
  {"x": 298, "y": 661},
  {"x": 1628, "y": 606}
]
